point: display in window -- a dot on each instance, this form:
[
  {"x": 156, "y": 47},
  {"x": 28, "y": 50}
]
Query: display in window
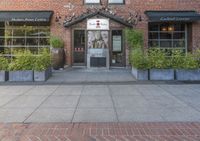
[{"x": 97, "y": 39}]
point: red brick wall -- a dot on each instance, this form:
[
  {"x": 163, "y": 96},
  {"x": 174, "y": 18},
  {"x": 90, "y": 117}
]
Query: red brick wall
[{"x": 122, "y": 10}]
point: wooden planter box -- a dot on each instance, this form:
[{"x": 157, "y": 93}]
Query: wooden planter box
[
  {"x": 3, "y": 76},
  {"x": 188, "y": 75},
  {"x": 42, "y": 75},
  {"x": 21, "y": 76},
  {"x": 140, "y": 74},
  {"x": 161, "y": 74}
]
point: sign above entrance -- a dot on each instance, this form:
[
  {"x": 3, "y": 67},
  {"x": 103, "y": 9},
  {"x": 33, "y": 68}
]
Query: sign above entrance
[{"x": 97, "y": 24}]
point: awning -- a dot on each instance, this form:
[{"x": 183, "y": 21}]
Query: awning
[
  {"x": 169, "y": 16},
  {"x": 26, "y": 16}
]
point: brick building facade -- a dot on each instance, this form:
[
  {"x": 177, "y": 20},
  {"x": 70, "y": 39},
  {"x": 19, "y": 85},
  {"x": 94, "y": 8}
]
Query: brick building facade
[{"x": 63, "y": 9}]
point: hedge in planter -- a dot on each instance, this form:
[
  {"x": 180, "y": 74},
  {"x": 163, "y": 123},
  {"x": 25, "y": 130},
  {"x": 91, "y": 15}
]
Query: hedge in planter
[
  {"x": 160, "y": 65},
  {"x": 21, "y": 67},
  {"x": 42, "y": 68},
  {"x": 139, "y": 62},
  {"x": 57, "y": 52},
  {"x": 3, "y": 69},
  {"x": 187, "y": 67}
]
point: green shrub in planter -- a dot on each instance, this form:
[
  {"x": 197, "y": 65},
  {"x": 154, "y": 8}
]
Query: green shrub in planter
[
  {"x": 190, "y": 62},
  {"x": 160, "y": 65},
  {"x": 21, "y": 67},
  {"x": 3, "y": 63},
  {"x": 56, "y": 42},
  {"x": 188, "y": 68},
  {"x": 177, "y": 59},
  {"x": 3, "y": 69},
  {"x": 42, "y": 66},
  {"x": 139, "y": 62},
  {"x": 158, "y": 59},
  {"x": 42, "y": 60},
  {"x": 134, "y": 38},
  {"x": 24, "y": 60},
  {"x": 138, "y": 59},
  {"x": 57, "y": 52}
]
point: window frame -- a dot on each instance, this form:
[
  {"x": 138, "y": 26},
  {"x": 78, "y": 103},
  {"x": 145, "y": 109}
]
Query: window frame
[
  {"x": 111, "y": 3},
  {"x": 172, "y": 40},
  {"x": 89, "y": 3}
]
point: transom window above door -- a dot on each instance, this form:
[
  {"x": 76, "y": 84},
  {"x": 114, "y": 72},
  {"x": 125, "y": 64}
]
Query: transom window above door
[
  {"x": 116, "y": 1},
  {"x": 92, "y": 1},
  {"x": 109, "y": 1}
]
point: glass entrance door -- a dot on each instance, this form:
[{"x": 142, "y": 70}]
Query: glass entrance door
[
  {"x": 117, "y": 50},
  {"x": 79, "y": 48}
]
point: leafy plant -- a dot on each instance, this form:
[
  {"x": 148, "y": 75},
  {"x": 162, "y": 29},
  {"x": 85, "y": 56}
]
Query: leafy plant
[
  {"x": 134, "y": 38},
  {"x": 56, "y": 42},
  {"x": 158, "y": 59},
  {"x": 42, "y": 60},
  {"x": 190, "y": 62},
  {"x": 3, "y": 63},
  {"x": 24, "y": 60},
  {"x": 138, "y": 59},
  {"x": 177, "y": 59}
]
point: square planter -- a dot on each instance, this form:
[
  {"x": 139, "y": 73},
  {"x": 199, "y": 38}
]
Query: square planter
[
  {"x": 42, "y": 75},
  {"x": 140, "y": 74},
  {"x": 3, "y": 76},
  {"x": 21, "y": 76},
  {"x": 188, "y": 75},
  {"x": 161, "y": 74}
]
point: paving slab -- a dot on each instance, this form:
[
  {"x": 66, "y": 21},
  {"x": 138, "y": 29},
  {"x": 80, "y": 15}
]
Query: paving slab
[
  {"x": 139, "y": 114},
  {"x": 95, "y": 102},
  {"x": 69, "y": 90},
  {"x": 26, "y": 102},
  {"x": 95, "y": 115},
  {"x": 51, "y": 115},
  {"x": 14, "y": 114},
  {"x": 124, "y": 90},
  {"x": 61, "y": 102},
  {"x": 41, "y": 90},
  {"x": 95, "y": 90}
]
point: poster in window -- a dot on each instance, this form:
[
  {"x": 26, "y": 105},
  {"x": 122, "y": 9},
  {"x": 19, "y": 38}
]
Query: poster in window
[{"x": 117, "y": 43}]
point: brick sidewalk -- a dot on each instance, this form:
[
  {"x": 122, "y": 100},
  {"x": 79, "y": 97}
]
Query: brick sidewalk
[{"x": 101, "y": 132}]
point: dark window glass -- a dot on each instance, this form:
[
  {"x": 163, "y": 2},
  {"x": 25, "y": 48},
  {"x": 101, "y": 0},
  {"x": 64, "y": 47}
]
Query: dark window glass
[
  {"x": 179, "y": 27},
  {"x": 153, "y": 27},
  {"x": 153, "y": 44},
  {"x": 153, "y": 35},
  {"x": 166, "y": 44},
  {"x": 179, "y": 36},
  {"x": 166, "y": 35}
]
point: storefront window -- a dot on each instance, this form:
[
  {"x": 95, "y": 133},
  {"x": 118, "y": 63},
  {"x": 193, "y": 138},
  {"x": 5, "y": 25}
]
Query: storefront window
[
  {"x": 168, "y": 36},
  {"x": 15, "y": 37}
]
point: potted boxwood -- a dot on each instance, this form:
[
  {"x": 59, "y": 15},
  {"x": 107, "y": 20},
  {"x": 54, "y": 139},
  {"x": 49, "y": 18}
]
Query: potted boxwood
[
  {"x": 188, "y": 68},
  {"x": 160, "y": 65},
  {"x": 57, "y": 52},
  {"x": 3, "y": 69},
  {"x": 42, "y": 66},
  {"x": 139, "y": 63},
  {"x": 21, "y": 67}
]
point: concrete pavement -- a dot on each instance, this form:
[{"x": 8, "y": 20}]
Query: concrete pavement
[{"x": 100, "y": 103}]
